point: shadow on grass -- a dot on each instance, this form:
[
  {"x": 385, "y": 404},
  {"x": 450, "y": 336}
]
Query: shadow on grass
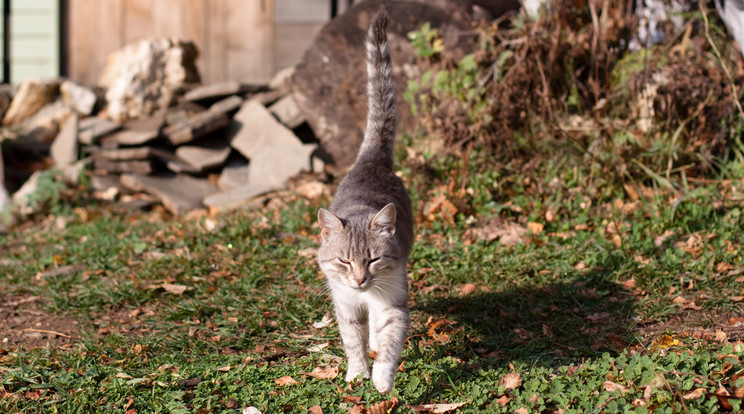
[{"x": 548, "y": 324}]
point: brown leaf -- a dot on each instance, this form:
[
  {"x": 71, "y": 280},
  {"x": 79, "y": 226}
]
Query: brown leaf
[
  {"x": 503, "y": 400},
  {"x": 383, "y": 407},
  {"x": 507, "y": 233},
  {"x": 436, "y": 408},
  {"x": 721, "y": 393},
  {"x": 232, "y": 403},
  {"x": 522, "y": 410},
  {"x": 357, "y": 409},
  {"x": 441, "y": 207},
  {"x": 467, "y": 289},
  {"x": 323, "y": 372},
  {"x": 610, "y": 386},
  {"x": 224, "y": 369},
  {"x": 511, "y": 381},
  {"x": 694, "y": 394},
  {"x": 354, "y": 399},
  {"x": 285, "y": 380},
  {"x": 535, "y": 228},
  {"x": 315, "y": 409}
]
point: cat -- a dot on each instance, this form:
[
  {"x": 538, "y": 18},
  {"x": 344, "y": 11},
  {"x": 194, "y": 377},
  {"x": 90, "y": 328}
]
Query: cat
[{"x": 367, "y": 233}]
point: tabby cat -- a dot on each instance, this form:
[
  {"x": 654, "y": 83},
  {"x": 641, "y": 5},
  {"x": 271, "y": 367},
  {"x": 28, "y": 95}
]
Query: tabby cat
[{"x": 367, "y": 233}]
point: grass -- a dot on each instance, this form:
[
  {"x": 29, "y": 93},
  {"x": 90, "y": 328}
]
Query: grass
[
  {"x": 620, "y": 290},
  {"x": 566, "y": 309}
]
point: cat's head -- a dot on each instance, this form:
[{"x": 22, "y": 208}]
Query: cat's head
[{"x": 361, "y": 250}]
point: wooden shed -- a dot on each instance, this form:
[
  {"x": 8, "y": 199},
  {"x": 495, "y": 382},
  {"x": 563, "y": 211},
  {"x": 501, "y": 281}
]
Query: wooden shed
[{"x": 244, "y": 40}]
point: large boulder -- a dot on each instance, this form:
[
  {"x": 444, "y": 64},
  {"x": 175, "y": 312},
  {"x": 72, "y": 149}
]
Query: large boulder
[
  {"x": 329, "y": 84},
  {"x": 144, "y": 76}
]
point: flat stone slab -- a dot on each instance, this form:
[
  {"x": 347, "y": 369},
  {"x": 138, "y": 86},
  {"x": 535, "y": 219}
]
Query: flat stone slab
[
  {"x": 179, "y": 194},
  {"x": 288, "y": 112},
  {"x": 234, "y": 175},
  {"x": 209, "y": 154},
  {"x": 118, "y": 154},
  {"x": 275, "y": 164},
  {"x": 30, "y": 97},
  {"x": 230, "y": 199},
  {"x": 199, "y": 125},
  {"x": 213, "y": 91},
  {"x": 92, "y": 128},
  {"x": 126, "y": 166},
  {"x": 64, "y": 149},
  {"x": 253, "y": 128},
  {"x": 138, "y": 131}
]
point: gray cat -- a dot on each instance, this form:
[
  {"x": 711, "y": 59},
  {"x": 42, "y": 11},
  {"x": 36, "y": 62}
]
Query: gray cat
[{"x": 368, "y": 233}]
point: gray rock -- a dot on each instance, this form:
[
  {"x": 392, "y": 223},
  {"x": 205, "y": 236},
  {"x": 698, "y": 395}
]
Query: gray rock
[
  {"x": 64, "y": 149},
  {"x": 92, "y": 128},
  {"x": 45, "y": 123},
  {"x": 213, "y": 91},
  {"x": 253, "y": 128},
  {"x": 81, "y": 98},
  {"x": 119, "y": 154},
  {"x": 275, "y": 164},
  {"x": 126, "y": 166},
  {"x": 281, "y": 79},
  {"x": 237, "y": 197},
  {"x": 138, "y": 131},
  {"x": 179, "y": 194},
  {"x": 288, "y": 112},
  {"x": 23, "y": 198},
  {"x": 210, "y": 154},
  {"x": 234, "y": 175},
  {"x": 203, "y": 123}
]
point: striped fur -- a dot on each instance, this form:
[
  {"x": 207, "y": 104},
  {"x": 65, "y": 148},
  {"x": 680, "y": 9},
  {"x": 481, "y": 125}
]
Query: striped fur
[{"x": 367, "y": 234}]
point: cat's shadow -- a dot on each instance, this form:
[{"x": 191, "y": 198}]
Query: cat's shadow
[{"x": 561, "y": 322}]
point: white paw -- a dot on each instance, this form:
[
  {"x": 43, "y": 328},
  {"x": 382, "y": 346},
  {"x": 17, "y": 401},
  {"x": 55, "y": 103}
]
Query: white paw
[
  {"x": 383, "y": 376},
  {"x": 352, "y": 374}
]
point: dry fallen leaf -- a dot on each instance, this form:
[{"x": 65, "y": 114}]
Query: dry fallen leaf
[
  {"x": 383, "y": 407},
  {"x": 535, "y": 228},
  {"x": 315, "y": 409},
  {"x": 610, "y": 386},
  {"x": 224, "y": 369},
  {"x": 285, "y": 380},
  {"x": 511, "y": 381},
  {"x": 436, "y": 408},
  {"x": 323, "y": 372},
  {"x": 251, "y": 410},
  {"x": 694, "y": 394}
]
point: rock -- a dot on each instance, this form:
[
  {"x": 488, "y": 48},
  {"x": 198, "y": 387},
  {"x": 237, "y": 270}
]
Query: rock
[
  {"x": 281, "y": 80},
  {"x": 173, "y": 162},
  {"x": 329, "y": 83},
  {"x": 92, "y": 128},
  {"x": 31, "y": 96},
  {"x": 4, "y": 198},
  {"x": 221, "y": 90},
  {"x": 64, "y": 149},
  {"x": 253, "y": 128},
  {"x": 118, "y": 154},
  {"x": 287, "y": 111},
  {"x": 269, "y": 97},
  {"x": 6, "y": 95},
  {"x": 81, "y": 98},
  {"x": 179, "y": 194},
  {"x": 126, "y": 166},
  {"x": 231, "y": 199},
  {"x": 102, "y": 183},
  {"x": 203, "y": 123},
  {"x": 209, "y": 154},
  {"x": 23, "y": 199},
  {"x": 143, "y": 76},
  {"x": 234, "y": 175},
  {"x": 138, "y": 131},
  {"x": 44, "y": 125},
  {"x": 73, "y": 171}
]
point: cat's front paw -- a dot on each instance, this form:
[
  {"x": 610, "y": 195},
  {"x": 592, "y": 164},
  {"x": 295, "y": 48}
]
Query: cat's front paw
[
  {"x": 383, "y": 375},
  {"x": 352, "y": 374}
]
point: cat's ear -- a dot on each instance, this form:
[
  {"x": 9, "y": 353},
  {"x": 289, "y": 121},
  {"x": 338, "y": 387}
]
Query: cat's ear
[
  {"x": 384, "y": 221},
  {"x": 329, "y": 223}
]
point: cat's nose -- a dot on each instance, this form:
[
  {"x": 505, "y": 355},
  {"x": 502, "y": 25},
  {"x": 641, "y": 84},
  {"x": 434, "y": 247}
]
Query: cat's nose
[{"x": 360, "y": 280}]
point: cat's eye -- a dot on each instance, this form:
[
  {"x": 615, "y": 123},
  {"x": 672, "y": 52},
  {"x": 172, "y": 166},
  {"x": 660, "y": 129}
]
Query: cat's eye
[
  {"x": 372, "y": 260},
  {"x": 346, "y": 262}
]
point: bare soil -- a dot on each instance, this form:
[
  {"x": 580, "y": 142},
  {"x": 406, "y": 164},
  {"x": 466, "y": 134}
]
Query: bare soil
[{"x": 24, "y": 323}]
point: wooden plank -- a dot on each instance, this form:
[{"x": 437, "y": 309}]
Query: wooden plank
[
  {"x": 194, "y": 24},
  {"x": 250, "y": 44},
  {"x": 167, "y": 18},
  {"x": 138, "y": 20},
  {"x": 302, "y": 11},
  {"x": 215, "y": 49},
  {"x": 95, "y": 30},
  {"x": 291, "y": 41}
]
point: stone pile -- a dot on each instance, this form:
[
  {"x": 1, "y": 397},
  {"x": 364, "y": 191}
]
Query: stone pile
[{"x": 152, "y": 130}]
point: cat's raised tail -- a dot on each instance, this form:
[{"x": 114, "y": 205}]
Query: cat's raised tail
[{"x": 377, "y": 147}]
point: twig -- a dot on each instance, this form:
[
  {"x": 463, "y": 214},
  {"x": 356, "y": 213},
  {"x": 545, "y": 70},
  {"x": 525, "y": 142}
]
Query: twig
[{"x": 49, "y": 332}]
